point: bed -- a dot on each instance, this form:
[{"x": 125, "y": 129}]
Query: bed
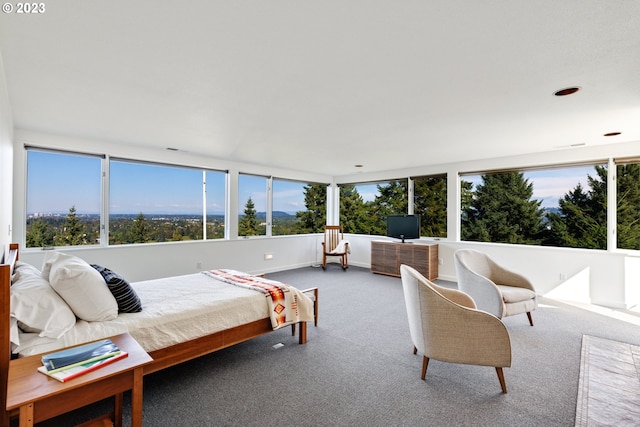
[{"x": 216, "y": 309}]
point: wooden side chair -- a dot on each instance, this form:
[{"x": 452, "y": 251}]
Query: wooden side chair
[{"x": 334, "y": 245}]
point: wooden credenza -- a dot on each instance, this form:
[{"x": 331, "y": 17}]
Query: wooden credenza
[{"x": 386, "y": 258}]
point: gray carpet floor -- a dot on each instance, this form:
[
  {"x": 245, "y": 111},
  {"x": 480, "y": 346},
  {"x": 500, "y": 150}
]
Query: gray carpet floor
[{"x": 358, "y": 369}]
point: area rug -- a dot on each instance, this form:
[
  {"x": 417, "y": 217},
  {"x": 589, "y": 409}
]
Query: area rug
[{"x": 609, "y": 387}]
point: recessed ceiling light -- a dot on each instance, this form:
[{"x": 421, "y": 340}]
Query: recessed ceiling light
[
  {"x": 567, "y": 91},
  {"x": 172, "y": 149},
  {"x": 358, "y": 166},
  {"x": 612, "y": 134}
]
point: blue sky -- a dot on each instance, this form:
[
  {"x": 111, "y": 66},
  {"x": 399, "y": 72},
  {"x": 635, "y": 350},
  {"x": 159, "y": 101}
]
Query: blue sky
[
  {"x": 139, "y": 187},
  {"x": 151, "y": 189}
]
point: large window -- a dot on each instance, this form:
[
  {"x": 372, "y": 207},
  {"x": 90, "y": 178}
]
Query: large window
[
  {"x": 63, "y": 199},
  {"x": 556, "y": 206},
  {"x": 430, "y": 202},
  {"x": 159, "y": 203},
  {"x": 252, "y": 205},
  {"x": 628, "y": 204},
  {"x": 147, "y": 202},
  {"x": 298, "y": 207},
  {"x": 364, "y": 207},
  {"x": 564, "y": 206},
  {"x": 154, "y": 203}
]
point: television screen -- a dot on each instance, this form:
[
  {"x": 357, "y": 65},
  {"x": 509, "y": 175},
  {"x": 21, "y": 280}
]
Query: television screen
[{"x": 403, "y": 226}]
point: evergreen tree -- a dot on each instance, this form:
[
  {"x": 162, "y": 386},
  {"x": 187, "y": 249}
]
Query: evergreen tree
[
  {"x": 39, "y": 234},
  {"x": 314, "y": 218},
  {"x": 502, "y": 210},
  {"x": 430, "y": 201},
  {"x": 353, "y": 216},
  {"x": 466, "y": 198},
  {"x": 140, "y": 230},
  {"x": 391, "y": 199},
  {"x": 73, "y": 232},
  {"x": 628, "y": 209},
  {"x": 248, "y": 224},
  {"x": 582, "y": 221}
]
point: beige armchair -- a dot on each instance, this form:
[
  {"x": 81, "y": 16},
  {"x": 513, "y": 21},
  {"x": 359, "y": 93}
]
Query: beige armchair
[
  {"x": 493, "y": 288},
  {"x": 445, "y": 326}
]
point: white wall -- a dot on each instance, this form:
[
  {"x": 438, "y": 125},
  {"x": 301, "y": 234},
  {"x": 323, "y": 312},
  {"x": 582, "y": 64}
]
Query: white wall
[
  {"x": 609, "y": 278},
  {"x": 6, "y": 163},
  {"x": 150, "y": 261},
  {"x": 579, "y": 275}
]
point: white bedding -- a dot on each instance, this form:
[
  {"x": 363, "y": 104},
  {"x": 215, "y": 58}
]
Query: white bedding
[{"x": 174, "y": 309}]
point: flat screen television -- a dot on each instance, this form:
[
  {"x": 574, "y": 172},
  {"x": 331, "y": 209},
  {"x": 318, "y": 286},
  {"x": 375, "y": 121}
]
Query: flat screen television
[{"x": 403, "y": 227}]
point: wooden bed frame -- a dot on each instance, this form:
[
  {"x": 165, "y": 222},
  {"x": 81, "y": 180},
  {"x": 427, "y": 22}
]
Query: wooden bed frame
[{"x": 162, "y": 358}]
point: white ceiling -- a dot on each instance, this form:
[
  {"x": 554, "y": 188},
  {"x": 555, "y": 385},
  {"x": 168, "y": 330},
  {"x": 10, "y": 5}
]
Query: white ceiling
[{"x": 321, "y": 86}]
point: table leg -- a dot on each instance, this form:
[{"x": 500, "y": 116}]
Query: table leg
[
  {"x": 117, "y": 409},
  {"x": 136, "y": 398},
  {"x": 26, "y": 415}
]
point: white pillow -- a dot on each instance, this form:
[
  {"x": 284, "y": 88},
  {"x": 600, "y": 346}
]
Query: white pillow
[
  {"x": 36, "y": 306},
  {"x": 21, "y": 268},
  {"x": 82, "y": 287}
]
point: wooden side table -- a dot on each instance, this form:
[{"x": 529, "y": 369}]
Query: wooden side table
[{"x": 37, "y": 397}]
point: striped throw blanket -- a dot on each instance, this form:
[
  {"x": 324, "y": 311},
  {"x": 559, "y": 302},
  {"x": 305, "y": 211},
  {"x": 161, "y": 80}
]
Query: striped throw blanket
[{"x": 286, "y": 304}]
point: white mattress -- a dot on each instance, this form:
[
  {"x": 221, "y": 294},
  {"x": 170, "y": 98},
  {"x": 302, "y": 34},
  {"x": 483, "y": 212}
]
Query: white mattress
[{"x": 174, "y": 309}]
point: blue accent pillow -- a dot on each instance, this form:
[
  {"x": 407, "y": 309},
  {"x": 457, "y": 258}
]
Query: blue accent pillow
[{"x": 126, "y": 297}]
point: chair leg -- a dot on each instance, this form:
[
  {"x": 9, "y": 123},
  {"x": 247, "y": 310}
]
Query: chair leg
[
  {"x": 530, "y": 318},
  {"x": 425, "y": 362},
  {"x": 324, "y": 261},
  {"x": 315, "y": 308},
  {"x": 501, "y": 378},
  {"x": 293, "y": 329}
]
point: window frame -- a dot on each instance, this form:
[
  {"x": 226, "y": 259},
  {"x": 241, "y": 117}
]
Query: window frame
[{"x": 61, "y": 152}]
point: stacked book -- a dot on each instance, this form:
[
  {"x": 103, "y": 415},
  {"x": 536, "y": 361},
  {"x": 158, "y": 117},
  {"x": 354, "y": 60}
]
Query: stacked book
[{"x": 70, "y": 363}]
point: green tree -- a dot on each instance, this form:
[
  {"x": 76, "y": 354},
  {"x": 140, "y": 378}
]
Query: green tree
[
  {"x": 248, "y": 224},
  {"x": 140, "y": 231},
  {"x": 628, "y": 209},
  {"x": 73, "y": 231},
  {"x": 582, "y": 221},
  {"x": 314, "y": 218},
  {"x": 353, "y": 215},
  {"x": 39, "y": 234},
  {"x": 391, "y": 199},
  {"x": 430, "y": 201},
  {"x": 502, "y": 210}
]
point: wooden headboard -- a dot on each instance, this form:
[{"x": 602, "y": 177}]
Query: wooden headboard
[{"x": 6, "y": 268}]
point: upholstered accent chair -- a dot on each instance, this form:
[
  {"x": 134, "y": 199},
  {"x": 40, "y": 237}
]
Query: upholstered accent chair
[
  {"x": 334, "y": 245},
  {"x": 493, "y": 288},
  {"x": 446, "y": 326}
]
